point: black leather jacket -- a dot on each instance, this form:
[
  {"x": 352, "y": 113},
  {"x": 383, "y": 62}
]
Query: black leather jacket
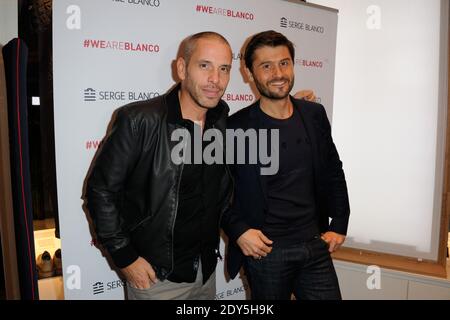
[{"x": 134, "y": 182}]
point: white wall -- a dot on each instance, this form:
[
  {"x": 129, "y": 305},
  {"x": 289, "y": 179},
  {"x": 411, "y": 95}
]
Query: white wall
[
  {"x": 389, "y": 121},
  {"x": 8, "y": 21}
]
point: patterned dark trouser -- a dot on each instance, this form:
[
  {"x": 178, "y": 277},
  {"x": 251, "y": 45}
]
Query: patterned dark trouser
[{"x": 305, "y": 270}]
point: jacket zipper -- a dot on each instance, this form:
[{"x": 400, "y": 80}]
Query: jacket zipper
[
  {"x": 227, "y": 201},
  {"x": 176, "y": 203}
]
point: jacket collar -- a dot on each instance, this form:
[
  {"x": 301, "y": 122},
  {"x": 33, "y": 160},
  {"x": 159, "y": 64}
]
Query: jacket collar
[{"x": 175, "y": 116}]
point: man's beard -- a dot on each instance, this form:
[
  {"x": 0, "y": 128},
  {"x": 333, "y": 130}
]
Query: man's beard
[
  {"x": 195, "y": 92},
  {"x": 264, "y": 90}
]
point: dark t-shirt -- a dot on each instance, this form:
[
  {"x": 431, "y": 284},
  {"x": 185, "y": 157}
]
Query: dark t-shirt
[
  {"x": 196, "y": 229},
  {"x": 290, "y": 216}
]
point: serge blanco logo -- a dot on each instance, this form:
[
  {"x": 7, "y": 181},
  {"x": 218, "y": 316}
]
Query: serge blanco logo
[
  {"x": 92, "y": 95},
  {"x": 285, "y": 23},
  {"x": 98, "y": 288}
]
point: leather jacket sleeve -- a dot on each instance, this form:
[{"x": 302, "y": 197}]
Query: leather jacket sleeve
[{"x": 105, "y": 186}]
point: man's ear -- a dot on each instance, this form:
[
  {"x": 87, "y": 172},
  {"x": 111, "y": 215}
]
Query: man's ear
[
  {"x": 181, "y": 68},
  {"x": 249, "y": 74}
]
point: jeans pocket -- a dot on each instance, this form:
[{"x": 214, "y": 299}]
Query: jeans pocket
[
  {"x": 132, "y": 287},
  {"x": 327, "y": 245}
]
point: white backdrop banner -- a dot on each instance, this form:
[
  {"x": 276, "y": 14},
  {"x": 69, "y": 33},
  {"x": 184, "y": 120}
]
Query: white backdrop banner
[{"x": 107, "y": 53}]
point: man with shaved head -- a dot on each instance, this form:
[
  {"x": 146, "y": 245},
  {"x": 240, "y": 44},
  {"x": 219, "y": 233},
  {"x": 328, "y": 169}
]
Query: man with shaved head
[{"x": 159, "y": 220}]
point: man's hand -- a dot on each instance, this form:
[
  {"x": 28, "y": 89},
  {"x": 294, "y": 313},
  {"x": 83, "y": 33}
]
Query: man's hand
[
  {"x": 140, "y": 274},
  {"x": 305, "y": 95},
  {"x": 334, "y": 240},
  {"x": 254, "y": 243}
]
